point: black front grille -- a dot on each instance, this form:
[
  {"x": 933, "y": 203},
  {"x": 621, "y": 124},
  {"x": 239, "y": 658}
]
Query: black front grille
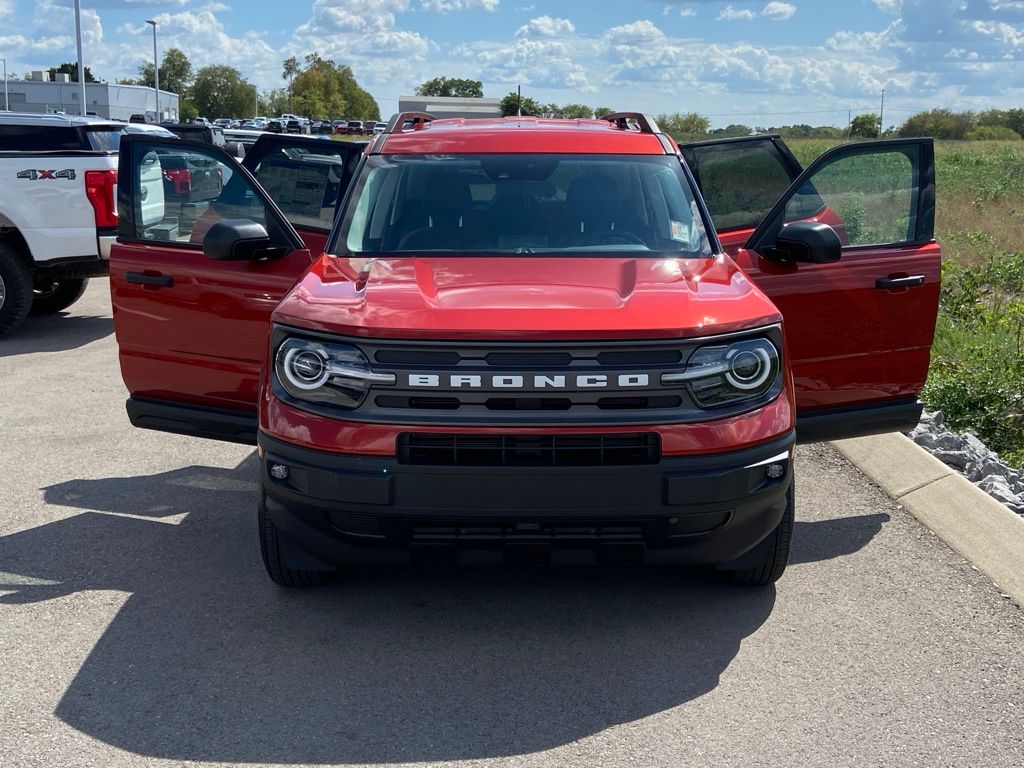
[
  {"x": 500, "y": 530},
  {"x": 415, "y": 358},
  {"x": 529, "y": 450}
]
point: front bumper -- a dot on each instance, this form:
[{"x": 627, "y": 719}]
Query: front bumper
[{"x": 334, "y": 509}]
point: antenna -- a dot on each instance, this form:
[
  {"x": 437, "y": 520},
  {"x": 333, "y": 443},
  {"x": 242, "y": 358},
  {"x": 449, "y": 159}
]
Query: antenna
[{"x": 519, "y": 101}]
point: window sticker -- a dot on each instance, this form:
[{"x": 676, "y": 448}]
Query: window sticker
[{"x": 680, "y": 231}]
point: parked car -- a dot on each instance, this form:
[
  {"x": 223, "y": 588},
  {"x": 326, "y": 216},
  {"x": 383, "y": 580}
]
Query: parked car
[
  {"x": 224, "y": 122},
  {"x": 339, "y": 126},
  {"x": 380, "y": 127},
  {"x": 201, "y": 121},
  {"x": 293, "y": 125},
  {"x": 58, "y": 209},
  {"x": 139, "y": 118},
  {"x": 535, "y": 346},
  {"x": 275, "y": 125},
  {"x": 211, "y": 134},
  {"x": 190, "y": 177},
  {"x": 355, "y": 126}
]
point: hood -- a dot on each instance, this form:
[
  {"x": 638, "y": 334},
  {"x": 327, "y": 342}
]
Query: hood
[{"x": 526, "y": 297}]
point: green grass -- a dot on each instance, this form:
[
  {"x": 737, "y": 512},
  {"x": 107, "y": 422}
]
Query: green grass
[{"x": 977, "y": 371}]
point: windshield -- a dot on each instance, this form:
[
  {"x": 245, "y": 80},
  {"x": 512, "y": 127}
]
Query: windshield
[
  {"x": 105, "y": 139},
  {"x": 542, "y": 203}
]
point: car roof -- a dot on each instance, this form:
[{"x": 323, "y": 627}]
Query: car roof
[
  {"x": 521, "y": 135},
  {"x": 32, "y": 118}
]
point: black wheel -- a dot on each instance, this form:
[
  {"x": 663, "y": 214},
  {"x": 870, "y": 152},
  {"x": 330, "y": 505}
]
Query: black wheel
[
  {"x": 774, "y": 564},
  {"x": 51, "y": 296},
  {"x": 274, "y": 560},
  {"x": 15, "y": 290}
]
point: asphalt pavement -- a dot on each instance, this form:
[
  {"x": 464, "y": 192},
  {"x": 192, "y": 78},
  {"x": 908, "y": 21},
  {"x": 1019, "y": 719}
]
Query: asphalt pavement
[{"x": 137, "y": 627}]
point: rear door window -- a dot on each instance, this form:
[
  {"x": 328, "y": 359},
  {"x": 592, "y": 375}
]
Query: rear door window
[
  {"x": 40, "y": 138},
  {"x": 106, "y": 139},
  {"x": 741, "y": 179}
]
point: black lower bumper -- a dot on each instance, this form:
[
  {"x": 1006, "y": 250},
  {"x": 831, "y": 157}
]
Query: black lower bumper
[{"x": 333, "y": 509}]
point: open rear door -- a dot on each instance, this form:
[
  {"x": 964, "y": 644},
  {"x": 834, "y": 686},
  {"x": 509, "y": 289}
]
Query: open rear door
[
  {"x": 858, "y": 330},
  {"x": 307, "y": 178},
  {"x": 740, "y": 179},
  {"x": 192, "y": 331}
]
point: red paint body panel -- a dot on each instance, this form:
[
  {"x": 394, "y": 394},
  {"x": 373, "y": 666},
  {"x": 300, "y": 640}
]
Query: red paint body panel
[
  {"x": 526, "y": 298},
  {"x": 850, "y": 343},
  {"x": 203, "y": 340},
  {"x": 521, "y": 135},
  {"x": 292, "y": 425}
]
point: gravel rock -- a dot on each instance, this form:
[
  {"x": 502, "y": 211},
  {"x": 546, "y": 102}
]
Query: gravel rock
[{"x": 970, "y": 456}]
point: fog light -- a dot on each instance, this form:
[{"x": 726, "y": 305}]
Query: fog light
[
  {"x": 278, "y": 471},
  {"x": 774, "y": 471}
]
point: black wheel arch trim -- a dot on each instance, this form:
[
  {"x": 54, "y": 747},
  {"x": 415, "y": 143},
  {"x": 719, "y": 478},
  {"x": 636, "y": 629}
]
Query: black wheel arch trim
[{"x": 857, "y": 421}]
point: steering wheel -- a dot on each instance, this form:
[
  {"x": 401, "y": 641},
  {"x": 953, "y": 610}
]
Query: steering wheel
[{"x": 615, "y": 237}]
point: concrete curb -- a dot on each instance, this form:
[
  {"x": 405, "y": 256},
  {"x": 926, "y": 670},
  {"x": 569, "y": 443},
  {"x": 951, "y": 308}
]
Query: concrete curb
[{"x": 969, "y": 520}]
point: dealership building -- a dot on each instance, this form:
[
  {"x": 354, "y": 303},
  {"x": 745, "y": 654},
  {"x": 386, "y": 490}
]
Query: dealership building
[
  {"x": 118, "y": 102},
  {"x": 446, "y": 106}
]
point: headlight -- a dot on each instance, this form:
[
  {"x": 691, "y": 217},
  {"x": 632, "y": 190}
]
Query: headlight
[
  {"x": 336, "y": 374},
  {"x": 727, "y": 374}
]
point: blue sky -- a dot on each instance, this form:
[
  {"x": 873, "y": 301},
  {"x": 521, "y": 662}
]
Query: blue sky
[{"x": 763, "y": 62}]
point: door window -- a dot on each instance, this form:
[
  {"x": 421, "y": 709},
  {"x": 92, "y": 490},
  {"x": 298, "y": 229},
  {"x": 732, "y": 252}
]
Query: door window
[
  {"x": 868, "y": 198},
  {"x": 740, "y": 181},
  {"x": 305, "y": 181},
  {"x": 181, "y": 191}
]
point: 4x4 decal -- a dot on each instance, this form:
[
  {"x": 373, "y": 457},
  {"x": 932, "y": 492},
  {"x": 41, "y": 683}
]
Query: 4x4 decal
[{"x": 37, "y": 175}]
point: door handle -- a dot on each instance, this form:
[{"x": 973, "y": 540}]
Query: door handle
[
  {"x": 141, "y": 278},
  {"x": 910, "y": 281}
]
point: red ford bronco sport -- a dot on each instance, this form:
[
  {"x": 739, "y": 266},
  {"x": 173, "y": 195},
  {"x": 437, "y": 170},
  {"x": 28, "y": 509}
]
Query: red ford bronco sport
[{"x": 524, "y": 340}]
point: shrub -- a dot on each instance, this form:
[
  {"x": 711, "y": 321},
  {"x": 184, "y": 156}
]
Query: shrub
[{"x": 992, "y": 133}]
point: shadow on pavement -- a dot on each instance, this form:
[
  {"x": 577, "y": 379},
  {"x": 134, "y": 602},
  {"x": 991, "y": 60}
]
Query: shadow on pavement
[
  {"x": 55, "y": 333},
  {"x": 207, "y": 660}
]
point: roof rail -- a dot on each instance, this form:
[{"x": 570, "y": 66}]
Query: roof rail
[
  {"x": 644, "y": 123},
  {"x": 398, "y": 121}
]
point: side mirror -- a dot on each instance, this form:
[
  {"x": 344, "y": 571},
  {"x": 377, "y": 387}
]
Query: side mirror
[
  {"x": 239, "y": 240},
  {"x": 807, "y": 241}
]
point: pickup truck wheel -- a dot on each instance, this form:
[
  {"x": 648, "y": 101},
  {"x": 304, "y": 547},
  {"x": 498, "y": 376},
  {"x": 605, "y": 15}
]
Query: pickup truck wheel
[
  {"x": 15, "y": 290},
  {"x": 769, "y": 570},
  {"x": 274, "y": 558},
  {"x": 51, "y": 296}
]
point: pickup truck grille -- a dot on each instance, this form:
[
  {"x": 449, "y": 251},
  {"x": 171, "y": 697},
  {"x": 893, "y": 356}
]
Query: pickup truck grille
[{"x": 475, "y": 450}]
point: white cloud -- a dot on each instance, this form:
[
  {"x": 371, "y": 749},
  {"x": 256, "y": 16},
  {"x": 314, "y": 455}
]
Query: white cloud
[
  {"x": 687, "y": 12},
  {"x": 732, "y": 14},
  {"x": 446, "y": 6},
  {"x": 545, "y": 26},
  {"x": 777, "y": 11},
  {"x": 6, "y": 7}
]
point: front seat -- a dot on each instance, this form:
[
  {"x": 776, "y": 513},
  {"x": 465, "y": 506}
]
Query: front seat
[{"x": 443, "y": 219}]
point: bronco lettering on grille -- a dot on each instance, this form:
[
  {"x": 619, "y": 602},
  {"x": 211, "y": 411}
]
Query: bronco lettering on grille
[{"x": 523, "y": 381}]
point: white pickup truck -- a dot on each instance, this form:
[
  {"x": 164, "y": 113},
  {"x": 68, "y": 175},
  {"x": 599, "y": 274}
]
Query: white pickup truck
[{"x": 58, "y": 210}]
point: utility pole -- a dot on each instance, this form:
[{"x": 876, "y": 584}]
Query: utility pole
[
  {"x": 81, "y": 66},
  {"x": 519, "y": 101},
  {"x": 256, "y": 102},
  {"x": 849, "y": 123},
  {"x": 156, "y": 71},
  {"x": 7, "y": 98},
  {"x": 881, "y": 115}
]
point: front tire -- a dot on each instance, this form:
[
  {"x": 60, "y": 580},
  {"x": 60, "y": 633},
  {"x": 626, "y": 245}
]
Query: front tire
[
  {"x": 52, "y": 296},
  {"x": 770, "y": 570},
  {"x": 274, "y": 557},
  {"x": 15, "y": 290}
]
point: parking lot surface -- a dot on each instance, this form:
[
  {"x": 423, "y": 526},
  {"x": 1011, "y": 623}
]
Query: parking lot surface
[{"x": 137, "y": 626}]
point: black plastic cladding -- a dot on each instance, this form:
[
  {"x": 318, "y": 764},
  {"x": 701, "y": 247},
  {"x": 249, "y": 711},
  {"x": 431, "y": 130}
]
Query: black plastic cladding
[{"x": 652, "y": 404}]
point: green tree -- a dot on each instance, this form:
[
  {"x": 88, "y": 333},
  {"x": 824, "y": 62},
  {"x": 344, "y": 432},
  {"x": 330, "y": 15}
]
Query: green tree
[
  {"x": 865, "y": 126},
  {"x": 275, "y": 102},
  {"x": 940, "y": 124},
  {"x": 992, "y": 133},
  {"x": 451, "y": 86},
  {"x": 681, "y": 126},
  {"x": 602, "y": 111},
  {"x": 510, "y": 104},
  {"x": 324, "y": 90},
  {"x": 175, "y": 72},
  {"x": 221, "y": 91},
  {"x": 289, "y": 70},
  {"x": 70, "y": 68},
  {"x": 576, "y": 112}
]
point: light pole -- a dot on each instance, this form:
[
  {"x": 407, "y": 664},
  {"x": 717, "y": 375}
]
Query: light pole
[
  {"x": 881, "y": 114},
  {"x": 156, "y": 71},
  {"x": 7, "y": 98},
  {"x": 81, "y": 66}
]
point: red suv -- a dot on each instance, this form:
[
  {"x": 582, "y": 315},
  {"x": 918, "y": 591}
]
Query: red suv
[{"x": 527, "y": 340}]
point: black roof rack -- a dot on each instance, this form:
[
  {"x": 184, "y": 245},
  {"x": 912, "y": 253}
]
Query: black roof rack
[
  {"x": 644, "y": 123},
  {"x": 398, "y": 121}
]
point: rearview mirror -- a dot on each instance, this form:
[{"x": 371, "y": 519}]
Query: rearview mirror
[
  {"x": 811, "y": 242},
  {"x": 239, "y": 240}
]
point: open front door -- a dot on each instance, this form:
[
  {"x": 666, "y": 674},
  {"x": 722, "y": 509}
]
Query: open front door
[
  {"x": 307, "y": 179},
  {"x": 858, "y": 330},
  {"x": 192, "y": 331},
  {"x": 740, "y": 179}
]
